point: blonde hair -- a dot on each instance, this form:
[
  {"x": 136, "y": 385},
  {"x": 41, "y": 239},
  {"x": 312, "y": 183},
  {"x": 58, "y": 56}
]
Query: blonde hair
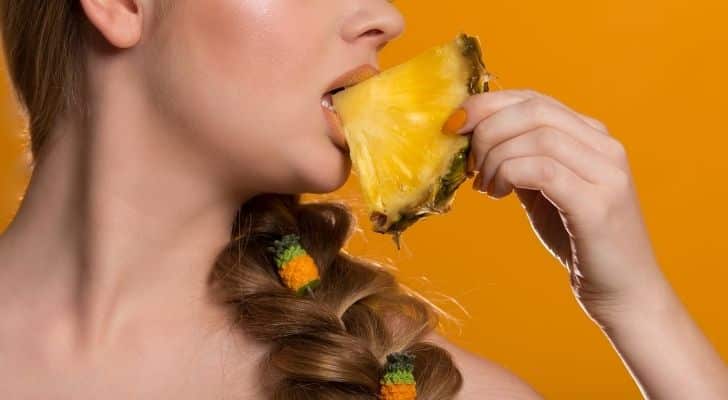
[{"x": 331, "y": 345}]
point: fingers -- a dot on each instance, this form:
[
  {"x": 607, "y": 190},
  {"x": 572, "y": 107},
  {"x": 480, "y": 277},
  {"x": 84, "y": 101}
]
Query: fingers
[
  {"x": 484, "y": 104},
  {"x": 528, "y": 140},
  {"x": 481, "y": 106},
  {"x": 496, "y": 117},
  {"x": 562, "y": 186},
  {"x": 584, "y": 161},
  {"x": 534, "y": 113},
  {"x": 593, "y": 122}
]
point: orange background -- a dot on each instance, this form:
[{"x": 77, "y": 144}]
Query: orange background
[{"x": 654, "y": 71}]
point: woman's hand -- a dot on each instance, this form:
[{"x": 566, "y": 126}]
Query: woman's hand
[
  {"x": 575, "y": 184},
  {"x": 574, "y": 181}
]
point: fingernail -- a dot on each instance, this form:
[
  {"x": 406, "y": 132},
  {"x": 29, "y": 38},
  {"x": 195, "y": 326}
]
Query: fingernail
[
  {"x": 477, "y": 182},
  {"x": 491, "y": 186},
  {"x": 455, "y": 122}
]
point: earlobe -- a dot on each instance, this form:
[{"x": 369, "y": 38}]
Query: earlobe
[{"x": 119, "y": 21}]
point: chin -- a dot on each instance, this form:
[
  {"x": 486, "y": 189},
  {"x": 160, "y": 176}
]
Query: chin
[{"x": 328, "y": 176}]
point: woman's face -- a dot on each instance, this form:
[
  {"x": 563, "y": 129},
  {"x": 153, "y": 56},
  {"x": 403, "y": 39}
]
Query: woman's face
[{"x": 242, "y": 82}]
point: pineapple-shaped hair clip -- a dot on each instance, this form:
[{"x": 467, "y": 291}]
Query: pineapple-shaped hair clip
[
  {"x": 297, "y": 269},
  {"x": 398, "y": 382}
]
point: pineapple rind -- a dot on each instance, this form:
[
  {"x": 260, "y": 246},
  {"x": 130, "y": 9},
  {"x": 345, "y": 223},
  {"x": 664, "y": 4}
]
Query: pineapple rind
[
  {"x": 441, "y": 202},
  {"x": 394, "y": 213},
  {"x": 449, "y": 183}
]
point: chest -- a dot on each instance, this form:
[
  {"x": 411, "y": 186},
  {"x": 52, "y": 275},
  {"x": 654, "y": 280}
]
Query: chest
[{"x": 214, "y": 370}]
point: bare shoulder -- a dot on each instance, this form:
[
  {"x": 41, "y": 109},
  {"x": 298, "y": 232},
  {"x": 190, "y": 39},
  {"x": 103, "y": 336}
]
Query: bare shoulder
[{"x": 484, "y": 379}]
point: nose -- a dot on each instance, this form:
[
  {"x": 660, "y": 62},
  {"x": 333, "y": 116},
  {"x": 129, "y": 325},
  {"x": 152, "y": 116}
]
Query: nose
[{"x": 374, "y": 22}]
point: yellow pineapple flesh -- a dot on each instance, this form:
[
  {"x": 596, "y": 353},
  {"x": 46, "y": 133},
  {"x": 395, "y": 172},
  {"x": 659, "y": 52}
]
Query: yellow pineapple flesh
[{"x": 407, "y": 168}]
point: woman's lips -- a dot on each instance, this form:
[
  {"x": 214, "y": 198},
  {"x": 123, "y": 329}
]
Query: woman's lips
[
  {"x": 332, "y": 118},
  {"x": 349, "y": 78}
]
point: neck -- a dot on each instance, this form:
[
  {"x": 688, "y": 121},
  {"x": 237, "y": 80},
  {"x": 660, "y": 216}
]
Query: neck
[{"x": 118, "y": 224}]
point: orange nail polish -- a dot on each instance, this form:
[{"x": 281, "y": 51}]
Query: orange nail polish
[{"x": 455, "y": 122}]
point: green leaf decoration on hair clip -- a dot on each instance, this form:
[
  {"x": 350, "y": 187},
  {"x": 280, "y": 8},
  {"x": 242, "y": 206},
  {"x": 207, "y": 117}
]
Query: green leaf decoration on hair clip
[
  {"x": 399, "y": 368},
  {"x": 296, "y": 267},
  {"x": 398, "y": 381}
]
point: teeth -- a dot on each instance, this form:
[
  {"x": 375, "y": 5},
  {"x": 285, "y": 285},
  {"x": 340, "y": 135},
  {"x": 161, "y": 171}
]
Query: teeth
[{"x": 326, "y": 102}]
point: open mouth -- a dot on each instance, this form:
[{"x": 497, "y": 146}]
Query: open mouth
[
  {"x": 332, "y": 117},
  {"x": 348, "y": 79},
  {"x": 327, "y": 100}
]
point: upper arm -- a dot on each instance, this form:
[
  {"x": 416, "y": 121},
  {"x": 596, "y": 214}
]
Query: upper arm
[{"x": 484, "y": 379}]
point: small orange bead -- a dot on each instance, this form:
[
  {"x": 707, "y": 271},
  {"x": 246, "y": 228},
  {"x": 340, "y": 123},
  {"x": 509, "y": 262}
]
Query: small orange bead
[
  {"x": 401, "y": 391},
  {"x": 299, "y": 271}
]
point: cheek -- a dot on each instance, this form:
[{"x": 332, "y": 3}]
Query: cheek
[
  {"x": 259, "y": 46},
  {"x": 251, "y": 58},
  {"x": 238, "y": 77}
]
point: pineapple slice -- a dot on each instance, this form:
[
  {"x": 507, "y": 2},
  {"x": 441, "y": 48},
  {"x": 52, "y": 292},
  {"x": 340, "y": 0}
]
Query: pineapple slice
[{"x": 407, "y": 168}]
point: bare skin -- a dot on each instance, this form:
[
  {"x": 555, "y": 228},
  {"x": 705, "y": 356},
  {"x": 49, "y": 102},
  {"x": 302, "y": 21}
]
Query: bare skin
[
  {"x": 103, "y": 277},
  {"x": 574, "y": 182}
]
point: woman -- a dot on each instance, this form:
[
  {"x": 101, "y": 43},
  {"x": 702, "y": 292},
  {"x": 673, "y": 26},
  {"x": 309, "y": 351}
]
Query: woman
[{"x": 152, "y": 121}]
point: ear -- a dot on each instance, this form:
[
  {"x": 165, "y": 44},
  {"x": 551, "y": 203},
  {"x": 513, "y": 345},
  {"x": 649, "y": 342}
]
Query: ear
[{"x": 119, "y": 21}]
